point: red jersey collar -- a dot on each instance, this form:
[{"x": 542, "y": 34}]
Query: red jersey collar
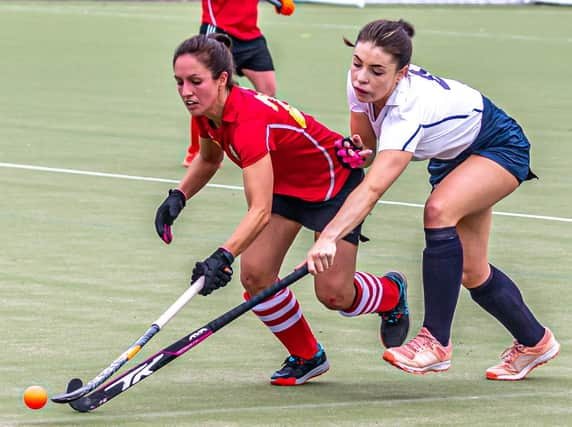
[{"x": 231, "y": 106}]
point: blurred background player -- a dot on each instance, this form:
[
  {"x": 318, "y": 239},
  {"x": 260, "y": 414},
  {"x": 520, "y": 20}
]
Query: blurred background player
[
  {"x": 291, "y": 180},
  {"x": 239, "y": 20},
  {"x": 478, "y": 155}
]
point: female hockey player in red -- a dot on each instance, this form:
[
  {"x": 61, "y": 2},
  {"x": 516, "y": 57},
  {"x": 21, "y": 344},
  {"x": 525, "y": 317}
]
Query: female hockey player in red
[{"x": 292, "y": 179}]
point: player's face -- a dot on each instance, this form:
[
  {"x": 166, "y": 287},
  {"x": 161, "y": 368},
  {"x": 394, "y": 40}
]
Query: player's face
[
  {"x": 198, "y": 90},
  {"x": 374, "y": 73}
]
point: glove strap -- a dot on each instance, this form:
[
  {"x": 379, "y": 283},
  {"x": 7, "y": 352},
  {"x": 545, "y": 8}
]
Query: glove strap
[{"x": 226, "y": 254}]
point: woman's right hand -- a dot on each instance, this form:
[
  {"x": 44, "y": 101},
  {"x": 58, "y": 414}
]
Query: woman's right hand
[
  {"x": 321, "y": 256},
  {"x": 168, "y": 212}
]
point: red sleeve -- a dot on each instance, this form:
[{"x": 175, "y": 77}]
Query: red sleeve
[{"x": 250, "y": 142}]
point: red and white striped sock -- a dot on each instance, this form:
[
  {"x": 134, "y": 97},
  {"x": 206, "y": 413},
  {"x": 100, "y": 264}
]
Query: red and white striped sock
[
  {"x": 374, "y": 294},
  {"x": 283, "y": 316}
]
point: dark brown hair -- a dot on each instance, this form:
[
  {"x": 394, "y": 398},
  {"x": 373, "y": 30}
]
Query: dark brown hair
[
  {"x": 394, "y": 37},
  {"x": 213, "y": 51}
]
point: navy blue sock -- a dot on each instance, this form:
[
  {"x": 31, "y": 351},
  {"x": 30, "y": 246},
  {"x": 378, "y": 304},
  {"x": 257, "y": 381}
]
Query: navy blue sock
[
  {"x": 500, "y": 297},
  {"x": 442, "y": 275}
]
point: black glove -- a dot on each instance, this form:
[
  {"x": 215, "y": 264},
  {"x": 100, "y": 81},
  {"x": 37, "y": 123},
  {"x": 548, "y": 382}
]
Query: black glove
[
  {"x": 216, "y": 269},
  {"x": 348, "y": 153},
  {"x": 168, "y": 212}
]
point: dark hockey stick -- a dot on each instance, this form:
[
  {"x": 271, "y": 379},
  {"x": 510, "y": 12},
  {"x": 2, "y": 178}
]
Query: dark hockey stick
[
  {"x": 128, "y": 354},
  {"x": 148, "y": 367},
  {"x": 276, "y": 3}
]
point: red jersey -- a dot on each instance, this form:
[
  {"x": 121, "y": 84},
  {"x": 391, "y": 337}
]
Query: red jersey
[
  {"x": 301, "y": 148},
  {"x": 239, "y": 18}
]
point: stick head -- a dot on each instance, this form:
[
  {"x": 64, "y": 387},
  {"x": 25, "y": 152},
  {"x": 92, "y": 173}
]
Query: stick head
[{"x": 74, "y": 391}]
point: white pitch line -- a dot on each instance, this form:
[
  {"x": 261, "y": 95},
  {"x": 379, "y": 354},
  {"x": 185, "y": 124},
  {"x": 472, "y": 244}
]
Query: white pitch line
[
  {"x": 297, "y": 407},
  {"x": 107, "y": 175},
  {"x": 236, "y": 187}
]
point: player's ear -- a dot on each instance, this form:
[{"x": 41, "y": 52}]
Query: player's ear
[
  {"x": 223, "y": 78},
  {"x": 402, "y": 73}
]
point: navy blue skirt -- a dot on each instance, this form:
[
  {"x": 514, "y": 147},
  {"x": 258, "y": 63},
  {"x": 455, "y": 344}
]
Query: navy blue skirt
[{"x": 500, "y": 139}]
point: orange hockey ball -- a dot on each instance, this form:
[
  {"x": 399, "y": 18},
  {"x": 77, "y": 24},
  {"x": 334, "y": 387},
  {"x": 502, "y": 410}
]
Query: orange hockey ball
[
  {"x": 288, "y": 7},
  {"x": 35, "y": 397}
]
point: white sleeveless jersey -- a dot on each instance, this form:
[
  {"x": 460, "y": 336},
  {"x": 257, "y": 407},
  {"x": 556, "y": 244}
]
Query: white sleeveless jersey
[{"x": 429, "y": 116}]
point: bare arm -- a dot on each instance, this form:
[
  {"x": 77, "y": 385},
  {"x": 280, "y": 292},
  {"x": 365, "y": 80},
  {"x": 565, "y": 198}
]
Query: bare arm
[
  {"x": 360, "y": 125},
  {"x": 258, "y": 186},
  {"x": 202, "y": 168},
  {"x": 385, "y": 170}
]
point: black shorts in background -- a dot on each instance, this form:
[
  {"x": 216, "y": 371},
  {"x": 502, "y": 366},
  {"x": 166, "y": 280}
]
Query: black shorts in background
[{"x": 247, "y": 54}]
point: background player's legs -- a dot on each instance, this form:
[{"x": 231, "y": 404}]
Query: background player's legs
[
  {"x": 263, "y": 81},
  {"x": 194, "y": 146}
]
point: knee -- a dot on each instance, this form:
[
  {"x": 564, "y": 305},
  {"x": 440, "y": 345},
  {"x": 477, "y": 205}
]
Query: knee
[
  {"x": 331, "y": 299},
  {"x": 255, "y": 280},
  {"x": 435, "y": 214},
  {"x": 473, "y": 278}
]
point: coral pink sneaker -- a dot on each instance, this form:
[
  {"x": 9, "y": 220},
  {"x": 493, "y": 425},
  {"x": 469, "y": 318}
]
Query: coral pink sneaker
[
  {"x": 420, "y": 355},
  {"x": 518, "y": 360}
]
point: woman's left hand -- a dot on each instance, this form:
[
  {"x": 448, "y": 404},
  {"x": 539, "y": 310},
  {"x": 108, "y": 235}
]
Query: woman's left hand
[
  {"x": 321, "y": 256},
  {"x": 352, "y": 153}
]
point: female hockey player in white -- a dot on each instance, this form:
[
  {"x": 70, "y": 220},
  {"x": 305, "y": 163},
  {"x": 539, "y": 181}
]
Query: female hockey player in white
[{"x": 478, "y": 155}]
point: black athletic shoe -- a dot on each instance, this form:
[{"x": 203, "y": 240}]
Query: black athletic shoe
[
  {"x": 395, "y": 322},
  {"x": 296, "y": 371}
]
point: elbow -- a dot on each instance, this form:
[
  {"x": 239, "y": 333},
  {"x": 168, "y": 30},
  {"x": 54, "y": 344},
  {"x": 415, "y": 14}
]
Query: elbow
[
  {"x": 262, "y": 215},
  {"x": 265, "y": 217}
]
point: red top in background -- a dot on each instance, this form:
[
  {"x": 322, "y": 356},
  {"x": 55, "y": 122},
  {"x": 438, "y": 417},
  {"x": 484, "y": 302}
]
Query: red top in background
[{"x": 239, "y": 18}]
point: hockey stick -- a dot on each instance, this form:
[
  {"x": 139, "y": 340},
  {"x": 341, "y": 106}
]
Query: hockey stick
[
  {"x": 276, "y": 3},
  {"x": 148, "y": 367},
  {"x": 128, "y": 354}
]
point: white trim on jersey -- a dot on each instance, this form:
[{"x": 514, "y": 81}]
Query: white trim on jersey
[
  {"x": 211, "y": 13},
  {"x": 429, "y": 125},
  {"x": 210, "y": 29},
  {"x": 316, "y": 144}
]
